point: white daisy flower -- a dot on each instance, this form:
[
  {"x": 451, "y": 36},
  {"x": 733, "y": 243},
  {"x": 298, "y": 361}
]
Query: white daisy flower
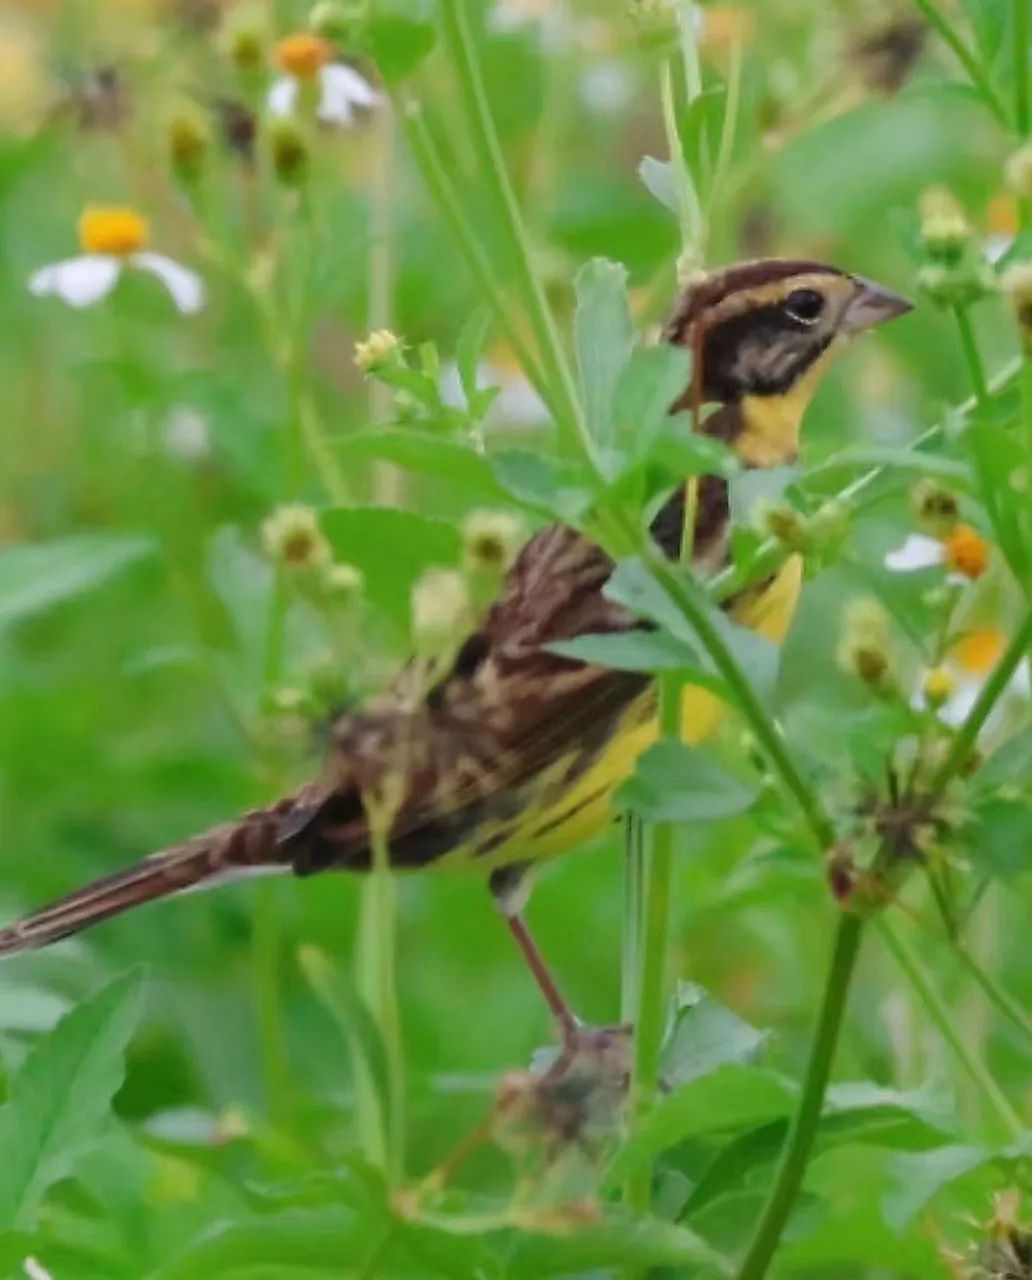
[
  {"x": 963, "y": 551},
  {"x": 112, "y": 239},
  {"x": 307, "y": 63},
  {"x": 952, "y": 688}
]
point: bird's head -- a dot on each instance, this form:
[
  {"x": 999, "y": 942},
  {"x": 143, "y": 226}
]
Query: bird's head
[{"x": 761, "y": 334}]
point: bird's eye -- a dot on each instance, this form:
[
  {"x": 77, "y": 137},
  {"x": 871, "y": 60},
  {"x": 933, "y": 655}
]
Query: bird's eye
[{"x": 805, "y": 305}]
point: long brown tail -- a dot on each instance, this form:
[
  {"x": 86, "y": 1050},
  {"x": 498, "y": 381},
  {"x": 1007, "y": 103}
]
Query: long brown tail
[{"x": 252, "y": 844}]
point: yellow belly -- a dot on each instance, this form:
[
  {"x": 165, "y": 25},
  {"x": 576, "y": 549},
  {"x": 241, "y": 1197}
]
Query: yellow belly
[{"x": 589, "y": 801}]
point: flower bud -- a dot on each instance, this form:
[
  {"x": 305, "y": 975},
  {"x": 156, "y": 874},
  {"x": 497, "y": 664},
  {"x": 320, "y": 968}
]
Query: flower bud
[
  {"x": 957, "y": 285},
  {"x": 782, "y": 521},
  {"x": 938, "y": 684},
  {"x": 344, "y": 582},
  {"x": 292, "y": 539},
  {"x": 381, "y": 347},
  {"x": 245, "y": 40},
  {"x": 935, "y": 507},
  {"x": 1017, "y": 284},
  {"x": 945, "y": 230},
  {"x": 1018, "y": 172},
  {"x": 656, "y": 24},
  {"x": 491, "y": 540},
  {"x": 828, "y": 525},
  {"x": 338, "y": 21},
  {"x": 189, "y": 141},
  {"x": 289, "y": 151},
  {"x": 441, "y": 611},
  {"x": 864, "y": 649}
]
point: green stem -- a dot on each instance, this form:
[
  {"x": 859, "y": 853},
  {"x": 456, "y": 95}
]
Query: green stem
[
  {"x": 942, "y": 1017},
  {"x": 654, "y": 948},
  {"x": 967, "y": 734},
  {"x": 381, "y": 1118},
  {"x": 796, "y": 1153},
  {"x": 729, "y": 125},
  {"x": 766, "y": 730},
  {"x": 1002, "y": 1000},
  {"x": 977, "y": 74},
  {"x": 1022, "y": 70},
  {"x": 436, "y": 178},
  {"x": 972, "y": 356},
  {"x": 689, "y": 214},
  {"x": 564, "y": 397}
]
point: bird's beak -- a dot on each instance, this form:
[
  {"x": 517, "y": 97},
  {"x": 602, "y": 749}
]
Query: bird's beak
[{"x": 871, "y": 305}]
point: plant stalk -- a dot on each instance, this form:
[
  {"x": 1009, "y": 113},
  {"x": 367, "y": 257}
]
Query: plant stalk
[
  {"x": 796, "y": 1153},
  {"x": 976, "y": 72}
]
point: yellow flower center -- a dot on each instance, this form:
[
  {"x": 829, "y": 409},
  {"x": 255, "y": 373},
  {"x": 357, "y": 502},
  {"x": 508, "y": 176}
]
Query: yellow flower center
[
  {"x": 112, "y": 229},
  {"x": 979, "y": 651},
  {"x": 938, "y": 685},
  {"x": 302, "y": 55},
  {"x": 1001, "y": 218},
  {"x": 967, "y": 552}
]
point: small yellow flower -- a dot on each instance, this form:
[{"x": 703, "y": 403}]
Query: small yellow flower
[
  {"x": 303, "y": 55},
  {"x": 376, "y": 350},
  {"x": 291, "y": 536},
  {"x": 113, "y": 229}
]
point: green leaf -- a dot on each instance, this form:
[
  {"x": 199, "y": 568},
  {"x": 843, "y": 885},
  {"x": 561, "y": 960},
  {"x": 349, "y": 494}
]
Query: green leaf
[
  {"x": 676, "y": 783},
  {"x": 426, "y": 454},
  {"x": 604, "y": 339},
  {"x": 344, "y": 1003},
  {"x": 560, "y": 490},
  {"x": 469, "y": 350},
  {"x": 658, "y": 179},
  {"x": 618, "y": 1241},
  {"x": 728, "y": 1098},
  {"x": 1010, "y": 762},
  {"x": 1001, "y": 841},
  {"x": 392, "y": 548},
  {"x": 705, "y": 1035},
  {"x": 400, "y": 34},
  {"x": 919, "y": 1175},
  {"x": 61, "y": 1096},
  {"x": 36, "y": 577},
  {"x": 687, "y": 453},
  {"x": 645, "y": 389},
  {"x": 758, "y": 484},
  {"x": 303, "y": 1242},
  {"x": 648, "y": 651}
]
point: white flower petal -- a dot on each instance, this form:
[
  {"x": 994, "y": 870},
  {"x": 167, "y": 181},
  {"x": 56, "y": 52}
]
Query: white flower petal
[
  {"x": 1021, "y": 681},
  {"x": 341, "y": 89},
  {"x": 996, "y": 246},
  {"x": 282, "y": 96},
  {"x": 34, "y": 1271},
  {"x": 78, "y": 281},
  {"x": 957, "y": 707},
  {"x": 918, "y": 552},
  {"x": 186, "y": 287},
  {"x": 607, "y": 87}
]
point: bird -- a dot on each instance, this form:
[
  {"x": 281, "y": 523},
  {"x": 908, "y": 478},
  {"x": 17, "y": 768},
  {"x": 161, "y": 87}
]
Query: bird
[{"x": 514, "y": 754}]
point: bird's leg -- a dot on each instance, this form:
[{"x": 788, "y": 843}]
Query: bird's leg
[
  {"x": 509, "y": 887},
  {"x": 568, "y": 1022}
]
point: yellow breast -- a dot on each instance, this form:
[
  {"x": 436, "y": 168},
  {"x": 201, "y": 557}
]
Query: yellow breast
[{"x": 589, "y": 801}]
